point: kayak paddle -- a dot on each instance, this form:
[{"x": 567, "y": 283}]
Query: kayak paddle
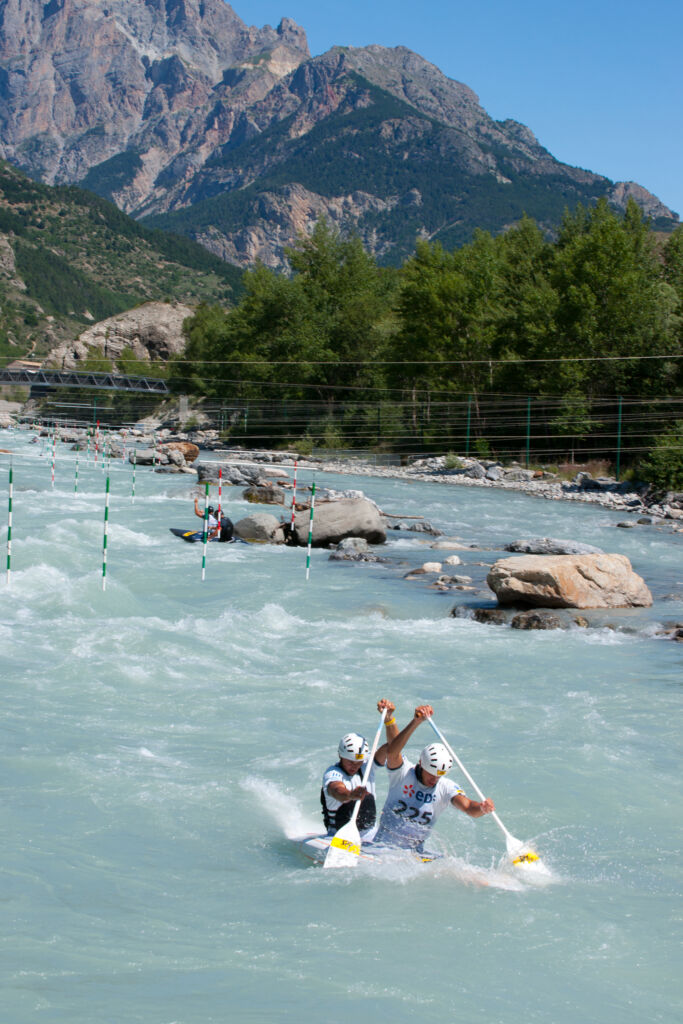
[
  {"x": 345, "y": 847},
  {"x": 521, "y": 855}
]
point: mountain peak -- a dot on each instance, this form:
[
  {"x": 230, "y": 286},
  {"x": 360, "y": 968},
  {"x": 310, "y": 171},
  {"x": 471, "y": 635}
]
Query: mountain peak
[{"x": 179, "y": 110}]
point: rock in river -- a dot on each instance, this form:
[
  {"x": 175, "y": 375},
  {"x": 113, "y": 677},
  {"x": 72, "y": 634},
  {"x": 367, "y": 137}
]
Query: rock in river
[
  {"x": 263, "y": 495},
  {"x": 260, "y": 528},
  {"x": 552, "y": 546},
  {"x": 568, "y": 581},
  {"x": 334, "y": 520}
]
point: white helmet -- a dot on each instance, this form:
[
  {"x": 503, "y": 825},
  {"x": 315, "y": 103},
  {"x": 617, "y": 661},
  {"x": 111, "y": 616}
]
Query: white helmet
[
  {"x": 435, "y": 759},
  {"x": 353, "y": 747}
]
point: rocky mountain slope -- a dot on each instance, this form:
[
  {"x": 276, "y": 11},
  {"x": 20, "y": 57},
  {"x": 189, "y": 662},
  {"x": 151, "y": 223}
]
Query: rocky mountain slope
[{"x": 234, "y": 135}]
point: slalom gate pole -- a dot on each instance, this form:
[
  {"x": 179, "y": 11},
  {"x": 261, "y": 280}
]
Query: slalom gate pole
[
  {"x": 618, "y": 470},
  {"x": 220, "y": 491},
  {"x": 291, "y": 524},
  {"x": 9, "y": 527},
  {"x": 135, "y": 462},
  {"x": 205, "y": 537},
  {"x": 87, "y": 452},
  {"x": 76, "y": 476},
  {"x": 104, "y": 540},
  {"x": 54, "y": 454},
  {"x": 97, "y": 441},
  {"x": 310, "y": 532}
]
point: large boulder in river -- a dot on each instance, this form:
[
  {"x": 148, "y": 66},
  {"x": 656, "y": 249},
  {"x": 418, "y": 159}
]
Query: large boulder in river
[
  {"x": 147, "y": 457},
  {"x": 552, "y": 546},
  {"x": 189, "y": 451},
  {"x": 260, "y": 528},
  {"x": 335, "y": 520},
  {"x": 568, "y": 581},
  {"x": 207, "y": 473}
]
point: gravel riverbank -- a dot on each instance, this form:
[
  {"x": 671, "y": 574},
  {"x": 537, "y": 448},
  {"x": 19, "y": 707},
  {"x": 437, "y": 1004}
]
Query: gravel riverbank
[{"x": 605, "y": 491}]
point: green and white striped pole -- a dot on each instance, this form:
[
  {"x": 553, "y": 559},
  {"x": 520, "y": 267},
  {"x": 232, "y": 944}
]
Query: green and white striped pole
[
  {"x": 76, "y": 476},
  {"x": 310, "y": 532},
  {"x": 205, "y": 537},
  {"x": 9, "y": 528},
  {"x": 104, "y": 540},
  {"x": 135, "y": 462}
]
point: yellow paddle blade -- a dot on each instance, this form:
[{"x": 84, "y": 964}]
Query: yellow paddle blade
[
  {"x": 344, "y": 844},
  {"x": 526, "y": 858}
]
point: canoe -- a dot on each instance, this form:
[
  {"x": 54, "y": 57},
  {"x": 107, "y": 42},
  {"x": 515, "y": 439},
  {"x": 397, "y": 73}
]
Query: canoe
[
  {"x": 195, "y": 536},
  {"x": 314, "y": 848},
  {"x": 192, "y": 536}
]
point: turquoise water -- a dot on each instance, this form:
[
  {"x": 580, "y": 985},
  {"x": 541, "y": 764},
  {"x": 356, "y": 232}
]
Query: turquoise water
[{"x": 163, "y": 740}]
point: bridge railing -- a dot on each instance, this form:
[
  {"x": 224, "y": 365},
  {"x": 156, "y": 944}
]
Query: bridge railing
[{"x": 81, "y": 379}]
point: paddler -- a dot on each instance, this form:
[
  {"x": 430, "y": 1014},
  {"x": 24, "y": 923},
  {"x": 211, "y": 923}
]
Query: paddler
[
  {"x": 212, "y": 524},
  {"x": 340, "y": 786},
  {"x": 419, "y": 793}
]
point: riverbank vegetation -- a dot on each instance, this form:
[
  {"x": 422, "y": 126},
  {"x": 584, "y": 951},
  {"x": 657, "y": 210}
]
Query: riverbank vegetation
[{"x": 511, "y": 345}]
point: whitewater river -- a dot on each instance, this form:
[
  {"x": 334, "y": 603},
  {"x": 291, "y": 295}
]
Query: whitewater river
[{"x": 163, "y": 740}]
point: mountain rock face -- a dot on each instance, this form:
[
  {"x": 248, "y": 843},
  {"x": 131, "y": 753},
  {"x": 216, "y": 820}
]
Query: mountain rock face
[
  {"x": 153, "y": 331},
  {"x": 234, "y": 135},
  {"x": 84, "y": 80}
]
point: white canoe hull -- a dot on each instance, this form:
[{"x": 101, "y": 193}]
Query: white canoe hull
[{"x": 315, "y": 847}]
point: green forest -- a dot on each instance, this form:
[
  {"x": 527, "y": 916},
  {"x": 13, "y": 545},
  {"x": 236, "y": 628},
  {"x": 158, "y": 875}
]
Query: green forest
[
  {"x": 70, "y": 257},
  {"x": 509, "y": 346}
]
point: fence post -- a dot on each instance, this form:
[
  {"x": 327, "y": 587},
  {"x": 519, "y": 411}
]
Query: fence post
[
  {"x": 528, "y": 428},
  {"x": 619, "y": 437}
]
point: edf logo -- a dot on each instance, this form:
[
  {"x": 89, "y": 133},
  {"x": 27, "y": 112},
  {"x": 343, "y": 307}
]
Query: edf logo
[
  {"x": 425, "y": 798},
  {"x": 409, "y": 789}
]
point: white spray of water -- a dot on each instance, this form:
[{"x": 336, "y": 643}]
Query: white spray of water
[{"x": 282, "y": 808}]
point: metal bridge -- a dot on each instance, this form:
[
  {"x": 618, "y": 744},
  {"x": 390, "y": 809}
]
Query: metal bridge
[{"x": 42, "y": 380}]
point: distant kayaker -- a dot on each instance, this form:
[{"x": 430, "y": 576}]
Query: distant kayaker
[
  {"x": 213, "y": 525},
  {"x": 339, "y": 790},
  {"x": 419, "y": 793}
]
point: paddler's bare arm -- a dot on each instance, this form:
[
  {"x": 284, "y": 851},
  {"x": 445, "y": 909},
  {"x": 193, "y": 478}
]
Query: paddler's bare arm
[
  {"x": 391, "y": 728},
  {"x": 474, "y": 808},
  {"x": 338, "y": 791},
  {"x": 395, "y": 749}
]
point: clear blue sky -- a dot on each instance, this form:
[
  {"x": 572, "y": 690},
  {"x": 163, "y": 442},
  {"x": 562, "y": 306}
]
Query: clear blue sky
[{"x": 597, "y": 82}]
